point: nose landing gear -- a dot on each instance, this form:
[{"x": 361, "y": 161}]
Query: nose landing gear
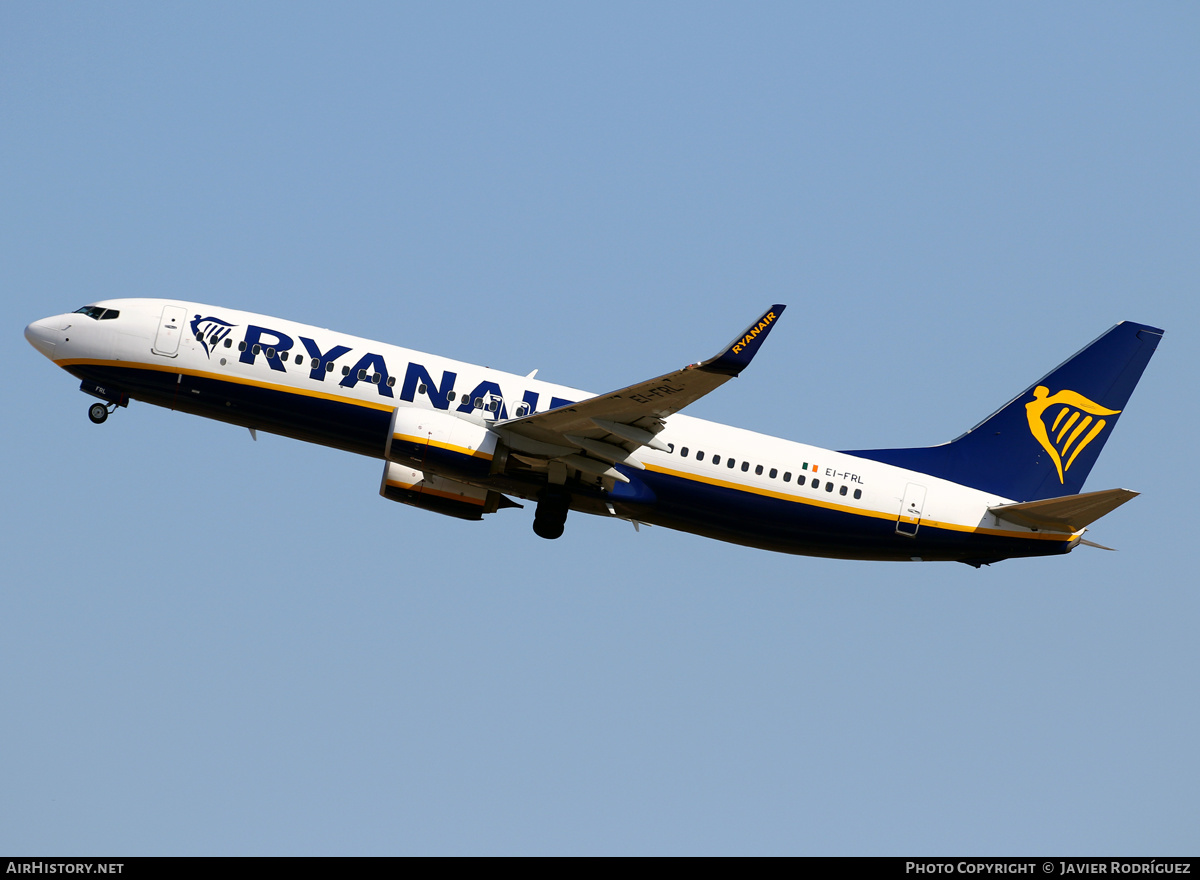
[
  {"x": 98, "y": 412},
  {"x": 551, "y": 514},
  {"x": 112, "y": 397}
]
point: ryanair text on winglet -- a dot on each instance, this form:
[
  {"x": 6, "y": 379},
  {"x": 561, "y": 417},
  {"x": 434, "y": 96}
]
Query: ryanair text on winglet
[{"x": 745, "y": 340}]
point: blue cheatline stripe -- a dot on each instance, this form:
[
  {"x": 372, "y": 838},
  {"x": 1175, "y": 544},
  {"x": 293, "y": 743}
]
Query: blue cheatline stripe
[
  {"x": 737, "y": 515},
  {"x": 345, "y": 424}
]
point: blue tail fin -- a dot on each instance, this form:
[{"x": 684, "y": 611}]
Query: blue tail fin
[{"x": 1043, "y": 443}]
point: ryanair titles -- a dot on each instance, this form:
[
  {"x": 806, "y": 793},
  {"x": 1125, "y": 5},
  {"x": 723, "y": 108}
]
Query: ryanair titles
[
  {"x": 762, "y": 325},
  {"x": 277, "y": 349}
]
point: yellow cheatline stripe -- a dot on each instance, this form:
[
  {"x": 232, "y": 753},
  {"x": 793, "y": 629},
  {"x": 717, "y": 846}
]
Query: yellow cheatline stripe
[
  {"x": 815, "y": 502},
  {"x": 225, "y": 377},
  {"x": 858, "y": 511},
  {"x": 425, "y": 490},
  {"x": 450, "y": 447},
  {"x": 288, "y": 389}
]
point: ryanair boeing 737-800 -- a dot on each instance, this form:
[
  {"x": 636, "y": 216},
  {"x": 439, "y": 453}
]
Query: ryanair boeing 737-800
[{"x": 460, "y": 439}]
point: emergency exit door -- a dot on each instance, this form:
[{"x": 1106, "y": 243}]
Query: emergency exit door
[{"x": 910, "y": 510}]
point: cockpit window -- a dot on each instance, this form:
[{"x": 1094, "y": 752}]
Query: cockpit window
[{"x": 99, "y": 313}]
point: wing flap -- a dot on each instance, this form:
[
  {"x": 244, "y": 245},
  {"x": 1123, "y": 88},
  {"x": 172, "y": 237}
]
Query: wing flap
[{"x": 1071, "y": 513}]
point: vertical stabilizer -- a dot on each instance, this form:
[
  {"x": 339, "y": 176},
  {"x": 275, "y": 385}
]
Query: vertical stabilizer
[{"x": 1043, "y": 443}]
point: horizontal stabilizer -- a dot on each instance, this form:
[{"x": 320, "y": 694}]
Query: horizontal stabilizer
[{"x": 1070, "y": 513}]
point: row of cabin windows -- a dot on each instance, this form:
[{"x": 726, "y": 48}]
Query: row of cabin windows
[
  {"x": 492, "y": 405},
  {"x": 773, "y": 473}
]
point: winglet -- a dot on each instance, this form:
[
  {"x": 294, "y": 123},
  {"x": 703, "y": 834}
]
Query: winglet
[{"x": 738, "y": 354}]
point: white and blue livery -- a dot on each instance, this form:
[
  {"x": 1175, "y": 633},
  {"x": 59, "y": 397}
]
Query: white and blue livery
[{"x": 466, "y": 440}]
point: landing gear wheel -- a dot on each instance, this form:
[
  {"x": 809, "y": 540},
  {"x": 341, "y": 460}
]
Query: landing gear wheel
[
  {"x": 551, "y": 515},
  {"x": 98, "y": 412}
]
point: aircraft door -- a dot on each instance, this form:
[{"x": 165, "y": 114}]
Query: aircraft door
[
  {"x": 170, "y": 331},
  {"x": 910, "y": 510},
  {"x": 493, "y": 406}
]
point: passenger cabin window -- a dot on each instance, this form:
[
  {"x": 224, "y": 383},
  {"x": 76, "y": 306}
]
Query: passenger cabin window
[
  {"x": 700, "y": 456},
  {"x": 257, "y": 349},
  {"x": 799, "y": 479},
  {"x": 787, "y": 476},
  {"x": 857, "y": 494},
  {"x": 716, "y": 458},
  {"x": 345, "y": 371},
  {"x": 421, "y": 388},
  {"x": 829, "y": 486},
  {"x": 228, "y": 343},
  {"x": 328, "y": 366},
  {"x": 450, "y": 395},
  {"x": 730, "y": 462},
  {"x": 758, "y": 470},
  {"x": 391, "y": 383},
  {"x": 683, "y": 451},
  {"x": 746, "y": 467},
  {"x": 842, "y": 491},
  {"x": 241, "y": 346},
  {"x": 670, "y": 447},
  {"x": 774, "y": 473}
]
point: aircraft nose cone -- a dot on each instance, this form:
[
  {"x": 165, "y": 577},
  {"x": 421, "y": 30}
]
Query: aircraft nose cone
[{"x": 43, "y": 337}]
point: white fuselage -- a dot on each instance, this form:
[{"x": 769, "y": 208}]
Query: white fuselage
[{"x": 281, "y": 376}]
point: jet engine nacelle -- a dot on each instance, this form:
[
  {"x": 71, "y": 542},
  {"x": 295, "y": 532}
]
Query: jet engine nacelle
[
  {"x": 429, "y": 492},
  {"x": 443, "y": 444}
]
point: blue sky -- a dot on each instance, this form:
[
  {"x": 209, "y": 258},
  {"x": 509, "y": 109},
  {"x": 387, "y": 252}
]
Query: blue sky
[{"x": 217, "y": 646}]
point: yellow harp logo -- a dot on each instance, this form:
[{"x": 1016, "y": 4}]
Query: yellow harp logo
[{"x": 1076, "y": 423}]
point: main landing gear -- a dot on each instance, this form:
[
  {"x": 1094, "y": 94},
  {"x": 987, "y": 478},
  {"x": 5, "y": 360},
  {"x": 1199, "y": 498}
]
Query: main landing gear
[
  {"x": 98, "y": 412},
  {"x": 551, "y": 515}
]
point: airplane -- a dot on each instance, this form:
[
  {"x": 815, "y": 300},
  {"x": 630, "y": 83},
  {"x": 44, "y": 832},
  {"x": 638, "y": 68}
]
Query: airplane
[{"x": 465, "y": 440}]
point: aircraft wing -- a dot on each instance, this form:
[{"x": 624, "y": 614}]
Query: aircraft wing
[{"x": 596, "y": 433}]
